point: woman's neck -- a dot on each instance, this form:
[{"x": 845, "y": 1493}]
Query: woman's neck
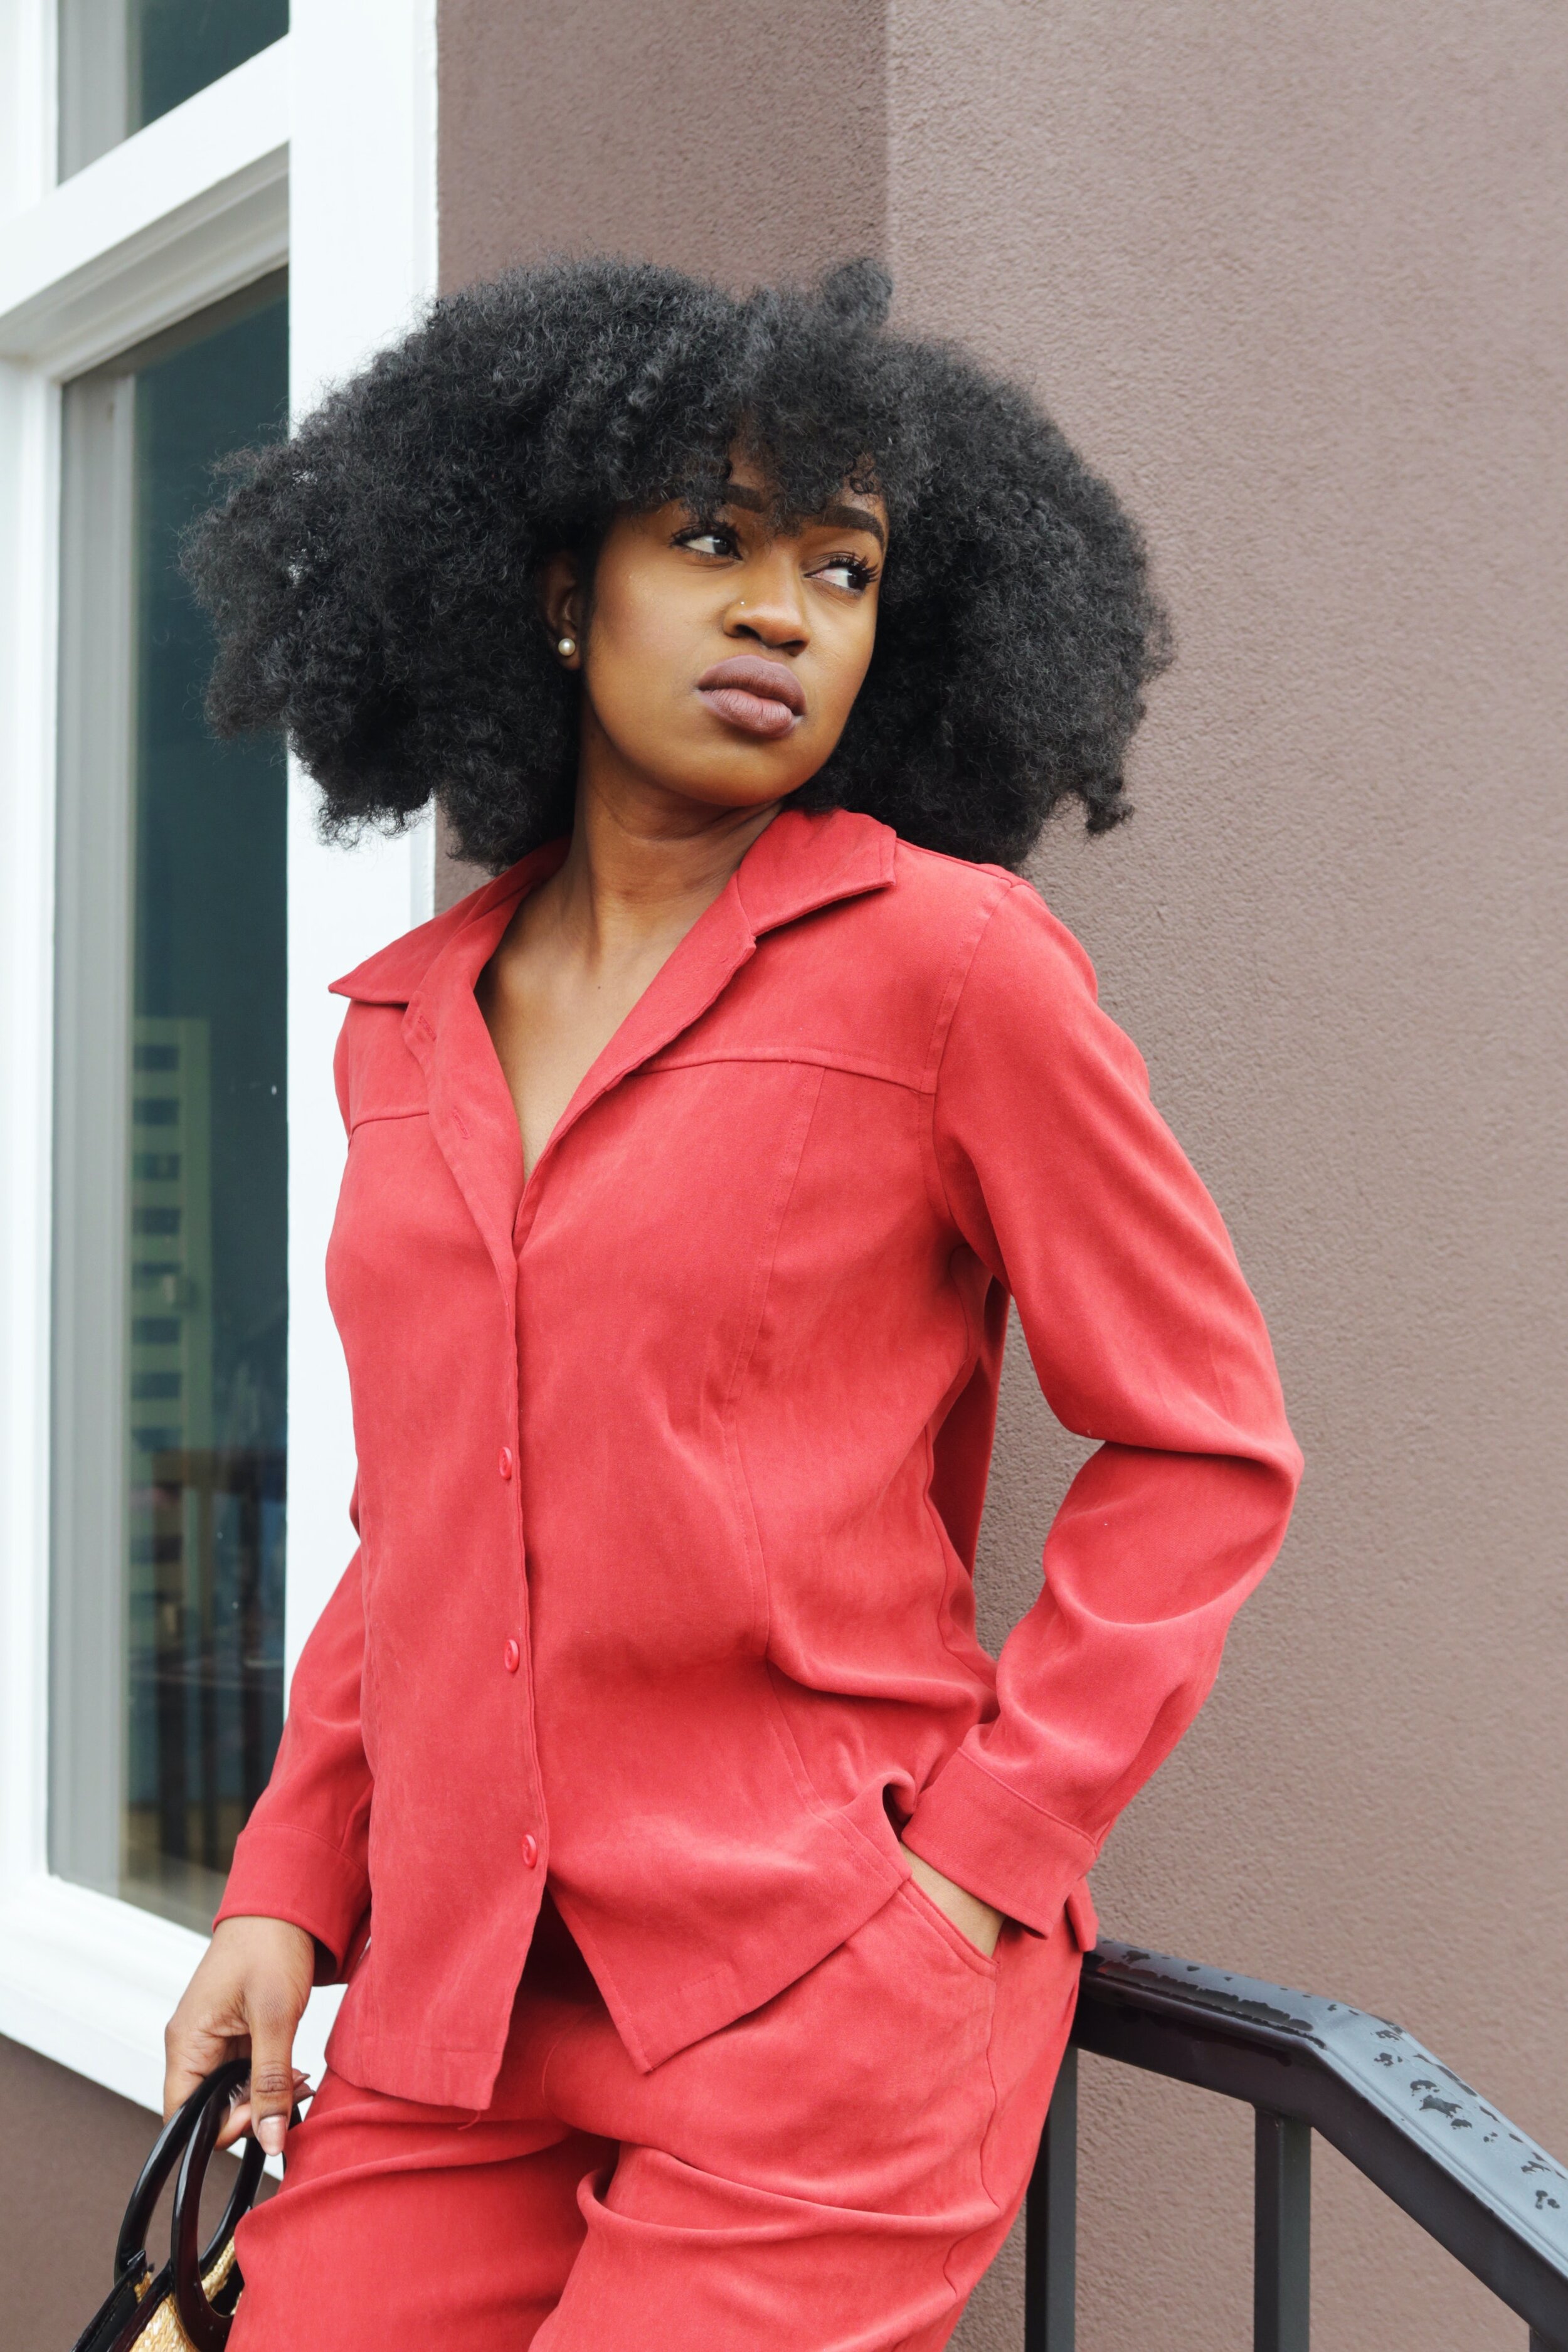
[
  {"x": 643, "y": 866},
  {"x": 580, "y": 949}
]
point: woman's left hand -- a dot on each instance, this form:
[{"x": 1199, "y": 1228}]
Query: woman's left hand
[{"x": 977, "y": 1921}]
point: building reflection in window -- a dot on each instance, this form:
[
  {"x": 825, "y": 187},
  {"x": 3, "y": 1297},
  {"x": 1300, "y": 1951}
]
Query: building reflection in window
[{"x": 167, "y": 1627}]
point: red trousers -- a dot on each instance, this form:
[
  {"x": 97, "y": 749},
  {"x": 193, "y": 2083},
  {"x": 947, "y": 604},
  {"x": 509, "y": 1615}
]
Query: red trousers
[{"x": 829, "y": 2174}]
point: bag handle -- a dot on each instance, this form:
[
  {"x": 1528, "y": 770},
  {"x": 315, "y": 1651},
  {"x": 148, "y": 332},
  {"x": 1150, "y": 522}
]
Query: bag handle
[
  {"x": 136, "y": 2294},
  {"x": 206, "y": 2323},
  {"x": 130, "y": 2248}
]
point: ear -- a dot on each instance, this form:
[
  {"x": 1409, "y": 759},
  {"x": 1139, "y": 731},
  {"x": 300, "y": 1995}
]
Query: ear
[{"x": 563, "y": 607}]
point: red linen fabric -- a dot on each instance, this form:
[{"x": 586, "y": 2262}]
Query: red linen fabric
[
  {"x": 834, "y": 2170},
  {"x": 671, "y": 1461}
]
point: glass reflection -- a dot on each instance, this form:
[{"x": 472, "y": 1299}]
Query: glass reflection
[{"x": 201, "y": 1296}]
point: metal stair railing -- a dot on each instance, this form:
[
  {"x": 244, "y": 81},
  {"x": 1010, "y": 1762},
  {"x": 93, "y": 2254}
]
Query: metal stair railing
[{"x": 1484, "y": 2191}]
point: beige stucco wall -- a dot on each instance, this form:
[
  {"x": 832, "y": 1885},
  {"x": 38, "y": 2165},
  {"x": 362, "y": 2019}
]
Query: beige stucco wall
[
  {"x": 740, "y": 142},
  {"x": 1296, "y": 277}
]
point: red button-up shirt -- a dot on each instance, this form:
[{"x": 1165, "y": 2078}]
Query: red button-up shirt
[{"x": 671, "y": 1460}]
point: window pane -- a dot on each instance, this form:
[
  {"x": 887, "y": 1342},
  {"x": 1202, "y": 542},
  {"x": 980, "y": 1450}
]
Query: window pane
[
  {"x": 123, "y": 63},
  {"x": 170, "y": 1277}
]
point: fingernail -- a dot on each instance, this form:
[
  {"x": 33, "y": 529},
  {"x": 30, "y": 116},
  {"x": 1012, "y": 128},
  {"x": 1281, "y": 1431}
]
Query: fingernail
[{"x": 269, "y": 2132}]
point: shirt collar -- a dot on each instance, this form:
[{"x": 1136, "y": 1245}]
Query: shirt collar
[
  {"x": 800, "y": 862},
  {"x": 392, "y": 975}
]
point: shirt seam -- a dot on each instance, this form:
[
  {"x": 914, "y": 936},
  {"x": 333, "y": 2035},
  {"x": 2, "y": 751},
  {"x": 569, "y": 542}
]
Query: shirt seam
[
  {"x": 936, "y": 1051},
  {"x": 1018, "y": 1797},
  {"x": 744, "y": 1355},
  {"x": 291, "y": 1830},
  {"x": 803, "y": 1057},
  {"x": 380, "y": 1118},
  {"x": 944, "y": 1545}
]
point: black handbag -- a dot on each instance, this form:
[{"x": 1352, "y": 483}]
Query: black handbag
[{"x": 188, "y": 2305}]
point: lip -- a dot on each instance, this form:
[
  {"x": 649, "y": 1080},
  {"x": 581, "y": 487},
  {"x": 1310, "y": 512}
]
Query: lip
[{"x": 761, "y": 698}]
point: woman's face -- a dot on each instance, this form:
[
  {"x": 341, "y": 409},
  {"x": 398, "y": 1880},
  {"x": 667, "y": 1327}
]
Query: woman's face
[{"x": 721, "y": 663}]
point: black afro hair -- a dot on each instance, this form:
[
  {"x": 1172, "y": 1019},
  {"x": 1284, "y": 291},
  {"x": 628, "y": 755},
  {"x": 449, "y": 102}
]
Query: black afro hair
[{"x": 372, "y": 580}]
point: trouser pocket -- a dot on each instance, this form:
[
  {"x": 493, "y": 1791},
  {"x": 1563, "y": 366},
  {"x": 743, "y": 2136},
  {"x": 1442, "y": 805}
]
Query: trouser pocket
[{"x": 952, "y": 1934}]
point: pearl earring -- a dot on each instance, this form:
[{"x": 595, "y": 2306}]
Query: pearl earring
[{"x": 565, "y": 647}]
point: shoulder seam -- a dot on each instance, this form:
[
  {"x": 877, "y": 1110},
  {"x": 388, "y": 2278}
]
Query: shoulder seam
[
  {"x": 977, "y": 865},
  {"x": 957, "y": 981},
  {"x": 952, "y": 996}
]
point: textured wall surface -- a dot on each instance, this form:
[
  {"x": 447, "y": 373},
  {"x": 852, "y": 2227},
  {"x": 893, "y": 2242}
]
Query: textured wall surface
[
  {"x": 1296, "y": 278},
  {"x": 741, "y": 142}
]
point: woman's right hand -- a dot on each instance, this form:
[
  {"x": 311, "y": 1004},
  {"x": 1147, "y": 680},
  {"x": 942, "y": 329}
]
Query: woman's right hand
[{"x": 245, "y": 1999}]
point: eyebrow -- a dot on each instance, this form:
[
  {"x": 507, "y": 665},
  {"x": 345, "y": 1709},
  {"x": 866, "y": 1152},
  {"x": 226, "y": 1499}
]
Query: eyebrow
[{"x": 842, "y": 517}]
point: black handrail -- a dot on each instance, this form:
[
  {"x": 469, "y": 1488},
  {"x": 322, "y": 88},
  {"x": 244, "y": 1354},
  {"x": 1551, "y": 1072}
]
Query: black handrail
[{"x": 1497, "y": 2202}]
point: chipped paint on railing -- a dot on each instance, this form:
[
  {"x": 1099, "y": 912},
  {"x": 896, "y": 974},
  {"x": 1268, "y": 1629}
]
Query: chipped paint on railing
[{"x": 1379, "y": 2061}]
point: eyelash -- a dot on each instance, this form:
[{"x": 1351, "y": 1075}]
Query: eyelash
[{"x": 861, "y": 573}]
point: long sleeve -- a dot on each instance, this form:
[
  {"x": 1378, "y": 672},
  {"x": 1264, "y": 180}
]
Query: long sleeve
[
  {"x": 1062, "y": 1177},
  {"x": 304, "y": 1855}
]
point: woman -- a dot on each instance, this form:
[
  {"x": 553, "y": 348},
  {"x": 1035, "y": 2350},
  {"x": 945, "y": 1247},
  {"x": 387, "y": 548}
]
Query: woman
[{"x": 710, "y": 1903}]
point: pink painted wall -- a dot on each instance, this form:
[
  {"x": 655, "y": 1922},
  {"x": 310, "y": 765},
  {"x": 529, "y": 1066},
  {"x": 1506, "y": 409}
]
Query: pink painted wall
[{"x": 1296, "y": 278}]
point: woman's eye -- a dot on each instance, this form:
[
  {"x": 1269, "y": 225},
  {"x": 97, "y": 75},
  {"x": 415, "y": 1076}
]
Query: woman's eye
[
  {"x": 847, "y": 571},
  {"x": 707, "y": 542}
]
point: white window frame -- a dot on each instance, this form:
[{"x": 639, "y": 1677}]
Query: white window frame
[{"x": 319, "y": 151}]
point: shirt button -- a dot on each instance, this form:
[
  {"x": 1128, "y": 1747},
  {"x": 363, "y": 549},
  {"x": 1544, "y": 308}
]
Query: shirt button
[
  {"x": 504, "y": 1465},
  {"x": 530, "y": 1849},
  {"x": 511, "y": 1657}
]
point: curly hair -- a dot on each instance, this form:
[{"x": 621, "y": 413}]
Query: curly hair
[{"x": 373, "y": 580}]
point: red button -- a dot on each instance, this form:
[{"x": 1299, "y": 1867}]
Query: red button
[
  {"x": 511, "y": 1657},
  {"x": 530, "y": 1849},
  {"x": 505, "y": 1464}
]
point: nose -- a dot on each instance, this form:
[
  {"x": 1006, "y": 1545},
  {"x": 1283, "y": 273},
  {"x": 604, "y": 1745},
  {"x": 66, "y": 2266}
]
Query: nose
[{"x": 768, "y": 607}]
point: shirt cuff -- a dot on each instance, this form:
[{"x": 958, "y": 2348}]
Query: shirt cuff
[
  {"x": 282, "y": 1873},
  {"x": 995, "y": 1844}
]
